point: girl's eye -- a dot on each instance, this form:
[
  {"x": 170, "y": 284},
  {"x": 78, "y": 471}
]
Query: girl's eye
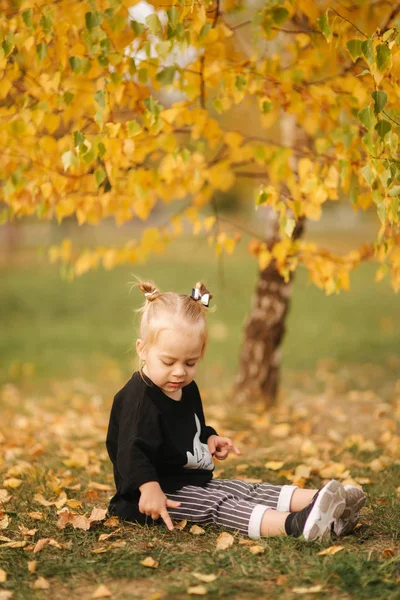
[
  {"x": 190, "y": 365},
  {"x": 167, "y": 364}
]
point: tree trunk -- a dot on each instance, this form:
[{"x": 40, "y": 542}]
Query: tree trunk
[{"x": 260, "y": 358}]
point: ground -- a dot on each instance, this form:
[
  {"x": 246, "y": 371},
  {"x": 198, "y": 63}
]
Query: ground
[{"x": 338, "y": 422}]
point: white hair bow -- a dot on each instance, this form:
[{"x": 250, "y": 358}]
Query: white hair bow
[{"x": 197, "y": 295}]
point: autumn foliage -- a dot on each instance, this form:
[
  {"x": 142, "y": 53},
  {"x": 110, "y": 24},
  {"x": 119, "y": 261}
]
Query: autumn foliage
[{"x": 88, "y": 130}]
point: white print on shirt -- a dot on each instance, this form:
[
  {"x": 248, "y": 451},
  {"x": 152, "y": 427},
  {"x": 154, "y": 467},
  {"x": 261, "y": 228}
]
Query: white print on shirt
[{"x": 201, "y": 457}]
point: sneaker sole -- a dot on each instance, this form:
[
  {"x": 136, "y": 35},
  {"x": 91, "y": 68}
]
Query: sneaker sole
[
  {"x": 349, "y": 518},
  {"x": 329, "y": 505}
]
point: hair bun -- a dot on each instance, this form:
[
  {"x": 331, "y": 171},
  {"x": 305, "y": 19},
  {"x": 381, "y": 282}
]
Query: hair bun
[{"x": 149, "y": 289}]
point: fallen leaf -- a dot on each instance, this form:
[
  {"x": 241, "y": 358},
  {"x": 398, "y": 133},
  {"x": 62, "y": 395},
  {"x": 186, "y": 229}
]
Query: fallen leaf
[
  {"x": 57, "y": 503},
  {"x": 40, "y": 544},
  {"x": 3, "y": 576},
  {"x": 149, "y": 562},
  {"x": 281, "y": 579},
  {"x": 388, "y": 552},
  {"x": 74, "y": 503},
  {"x": 97, "y": 514},
  {"x": 206, "y": 578},
  {"x": 118, "y": 544},
  {"x": 274, "y": 465},
  {"x": 224, "y": 541},
  {"x": 32, "y": 564},
  {"x": 281, "y": 430},
  {"x": 100, "y": 550},
  {"x": 102, "y": 592},
  {"x": 13, "y": 544},
  {"x": 41, "y": 584},
  {"x": 330, "y": 551},
  {"x": 196, "y": 530},
  {"x": 4, "y": 523},
  {"x": 256, "y": 549},
  {"x": 12, "y": 483},
  {"x": 180, "y": 525},
  {"x": 35, "y": 515},
  {"x": 27, "y": 532},
  {"x": 93, "y": 485},
  {"x": 4, "y": 496},
  {"x": 6, "y": 594},
  {"x": 197, "y": 590},
  {"x": 242, "y": 467},
  {"x": 315, "y": 589},
  {"x": 105, "y": 536},
  {"x": 112, "y": 522}
]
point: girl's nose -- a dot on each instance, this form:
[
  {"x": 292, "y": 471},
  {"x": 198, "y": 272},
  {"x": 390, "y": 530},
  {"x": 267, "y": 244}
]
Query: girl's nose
[{"x": 179, "y": 371}]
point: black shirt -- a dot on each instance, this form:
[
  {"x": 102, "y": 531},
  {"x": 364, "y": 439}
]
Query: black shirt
[{"x": 152, "y": 437}]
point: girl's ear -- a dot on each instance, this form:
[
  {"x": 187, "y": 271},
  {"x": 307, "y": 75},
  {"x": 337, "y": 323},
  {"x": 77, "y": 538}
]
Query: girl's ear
[{"x": 139, "y": 347}]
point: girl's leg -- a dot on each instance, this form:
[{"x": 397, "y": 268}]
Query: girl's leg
[{"x": 301, "y": 498}]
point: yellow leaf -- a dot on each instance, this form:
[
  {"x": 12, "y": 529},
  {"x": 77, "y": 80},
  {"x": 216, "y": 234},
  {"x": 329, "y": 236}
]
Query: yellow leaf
[
  {"x": 3, "y": 576},
  {"x": 197, "y": 590},
  {"x": 281, "y": 430},
  {"x": 315, "y": 589},
  {"x": 224, "y": 541},
  {"x": 149, "y": 562},
  {"x": 12, "y": 482},
  {"x": 41, "y": 584},
  {"x": 102, "y": 592},
  {"x": 196, "y": 530},
  {"x": 330, "y": 551},
  {"x": 206, "y": 578},
  {"x": 256, "y": 549},
  {"x": 274, "y": 465},
  {"x": 32, "y": 564},
  {"x": 180, "y": 525}
]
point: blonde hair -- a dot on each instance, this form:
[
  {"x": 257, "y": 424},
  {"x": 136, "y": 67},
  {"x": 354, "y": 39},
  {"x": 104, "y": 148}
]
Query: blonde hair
[{"x": 180, "y": 306}]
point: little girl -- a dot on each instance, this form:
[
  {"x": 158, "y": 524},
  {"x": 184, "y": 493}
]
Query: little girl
[{"x": 162, "y": 450}]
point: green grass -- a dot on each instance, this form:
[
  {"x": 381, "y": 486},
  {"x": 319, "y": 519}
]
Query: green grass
[{"x": 75, "y": 328}]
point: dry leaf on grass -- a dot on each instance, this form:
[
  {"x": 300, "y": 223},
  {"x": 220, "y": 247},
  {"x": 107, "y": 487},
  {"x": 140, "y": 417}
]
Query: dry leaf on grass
[
  {"x": 3, "y": 576},
  {"x": 41, "y": 584},
  {"x": 204, "y": 577},
  {"x": 274, "y": 465},
  {"x": 112, "y": 522},
  {"x": 32, "y": 564},
  {"x": 40, "y": 499},
  {"x": 256, "y": 549},
  {"x": 14, "y": 544},
  {"x": 315, "y": 589},
  {"x": 35, "y": 515},
  {"x": 41, "y": 544},
  {"x": 196, "y": 530},
  {"x": 4, "y": 496},
  {"x": 197, "y": 590},
  {"x": 180, "y": 525},
  {"x": 12, "y": 483},
  {"x": 105, "y": 536},
  {"x": 102, "y": 592},
  {"x": 4, "y": 523},
  {"x": 224, "y": 541},
  {"x": 6, "y": 594},
  {"x": 330, "y": 551},
  {"x": 149, "y": 562}
]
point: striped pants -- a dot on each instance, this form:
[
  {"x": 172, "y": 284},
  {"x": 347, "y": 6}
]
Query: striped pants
[{"x": 234, "y": 504}]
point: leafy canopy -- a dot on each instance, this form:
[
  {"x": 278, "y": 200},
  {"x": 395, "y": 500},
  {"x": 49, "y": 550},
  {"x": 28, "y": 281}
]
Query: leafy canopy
[{"x": 84, "y": 130}]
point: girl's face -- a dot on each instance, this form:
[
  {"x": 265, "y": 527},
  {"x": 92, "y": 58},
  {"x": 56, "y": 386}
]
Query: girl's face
[{"x": 171, "y": 361}]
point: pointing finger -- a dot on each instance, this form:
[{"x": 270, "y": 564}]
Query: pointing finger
[{"x": 167, "y": 519}]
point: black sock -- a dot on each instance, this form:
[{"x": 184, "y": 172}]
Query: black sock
[{"x": 295, "y": 521}]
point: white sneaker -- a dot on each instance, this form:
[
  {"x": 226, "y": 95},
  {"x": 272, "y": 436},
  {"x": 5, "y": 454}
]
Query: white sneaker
[
  {"x": 355, "y": 500},
  {"x": 326, "y": 509}
]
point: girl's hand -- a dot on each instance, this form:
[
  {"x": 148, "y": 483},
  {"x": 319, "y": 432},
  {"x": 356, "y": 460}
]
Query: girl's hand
[
  {"x": 221, "y": 446},
  {"x": 153, "y": 502}
]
